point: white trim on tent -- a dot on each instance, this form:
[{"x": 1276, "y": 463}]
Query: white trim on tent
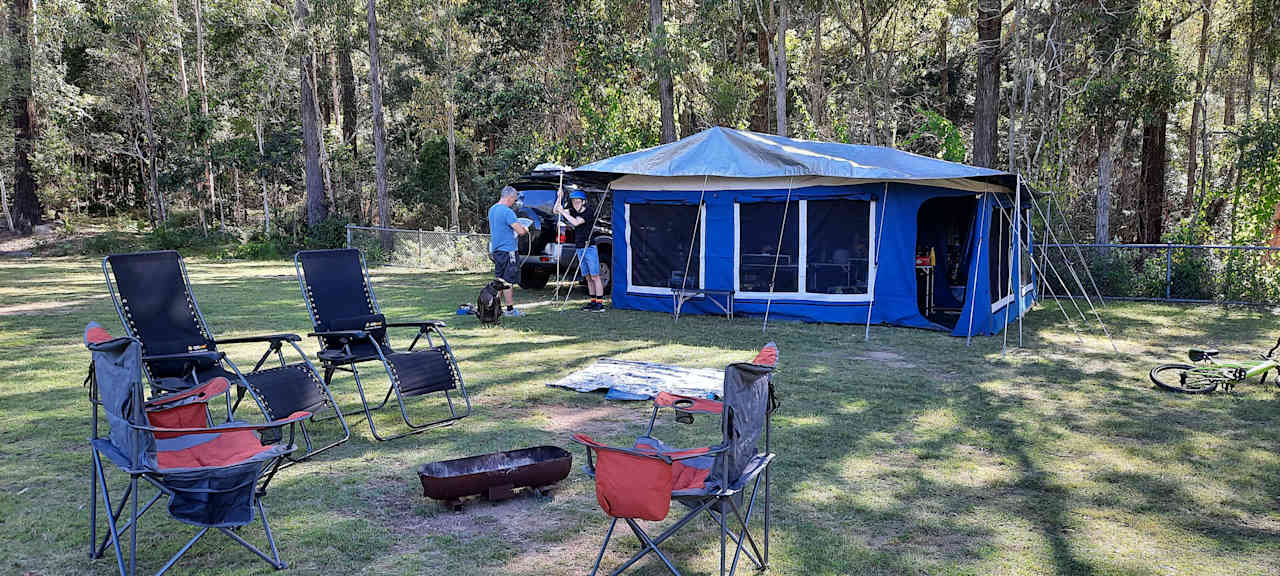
[
  {"x": 702, "y": 254},
  {"x": 719, "y": 183},
  {"x": 802, "y": 294}
]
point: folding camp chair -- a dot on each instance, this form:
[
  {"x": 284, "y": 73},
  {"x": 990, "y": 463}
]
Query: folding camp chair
[
  {"x": 153, "y": 297},
  {"x": 638, "y": 483},
  {"x": 351, "y": 329},
  {"x": 213, "y": 475}
]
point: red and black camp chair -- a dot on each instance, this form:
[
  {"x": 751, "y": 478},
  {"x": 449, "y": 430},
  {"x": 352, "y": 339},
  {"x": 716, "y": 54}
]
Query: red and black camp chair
[
  {"x": 352, "y": 330},
  {"x": 723, "y": 481},
  {"x": 153, "y": 296},
  {"x": 214, "y": 476}
]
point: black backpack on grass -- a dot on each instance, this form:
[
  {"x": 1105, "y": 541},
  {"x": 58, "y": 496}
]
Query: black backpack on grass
[{"x": 489, "y": 303}]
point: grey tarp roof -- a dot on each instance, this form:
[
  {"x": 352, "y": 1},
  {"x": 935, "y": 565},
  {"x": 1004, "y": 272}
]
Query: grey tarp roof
[{"x": 725, "y": 152}]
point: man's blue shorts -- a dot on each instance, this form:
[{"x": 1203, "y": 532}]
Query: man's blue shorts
[{"x": 590, "y": 259}]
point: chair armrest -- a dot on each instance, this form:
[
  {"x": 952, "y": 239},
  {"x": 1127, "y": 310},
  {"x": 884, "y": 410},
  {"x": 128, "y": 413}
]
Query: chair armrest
[
  {"x": 296, "y": 416},
  {"x": 352, "y": 334},
  {"x": 689, "y": 404},
  {"x": 208, "y": 354},
  {"x": 273, "y": 338},
  {"x": 213, "y": 387},
  {"x": 418, "y": 324},
  {"x": 665, "y": 455}
]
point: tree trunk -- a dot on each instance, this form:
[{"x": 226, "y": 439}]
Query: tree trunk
[
  {"x": 144, "y": 97},
  {"x": 204, "y": 111},
  {"x": 869, "y": 103},
  {"x": 817, "y": 78},
  {"x": 1197, "y": 109},
  {"x": 182, "y": 61},
  {"x": 347, "y": 77},
  {"x": 662, "y": 67},
  {"x": 262, "y": 176},
  {"x": 454, "y": 224},
  {"x": 944, "y": 67},
  {"x": 317, "y": 211},
  {"x": 1102, "y": 223},
  {"x": 26, "y": 204},
  {"x": 1154, "y": 162},
  {"x": 321, "y": 122},
  {"x": 379, "y": 136},
  {"x": 986, "y": 108},
  {"x": 780, "y": 68},
  {"x": 4, "y": 203},
  {"x": 1251, "y": 57},
  {"x": 760, "y": 117}
]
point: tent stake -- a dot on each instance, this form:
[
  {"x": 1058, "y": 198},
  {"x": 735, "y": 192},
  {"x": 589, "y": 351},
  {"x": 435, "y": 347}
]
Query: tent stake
[{"x": 875, "y": 275}]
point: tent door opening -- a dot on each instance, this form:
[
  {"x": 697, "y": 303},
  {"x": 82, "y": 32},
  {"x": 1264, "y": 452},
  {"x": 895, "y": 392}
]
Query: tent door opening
[{"x": 942, "y": 234}]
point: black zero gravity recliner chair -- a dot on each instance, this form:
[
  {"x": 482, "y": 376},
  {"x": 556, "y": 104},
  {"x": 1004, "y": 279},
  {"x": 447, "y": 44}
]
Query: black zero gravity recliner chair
[
  {"x": 153, "y": 297},
  {"x": 352, "y": 330}
]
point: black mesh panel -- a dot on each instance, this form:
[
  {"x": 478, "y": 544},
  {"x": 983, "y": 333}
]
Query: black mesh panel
[
  {"x": 158, "y": 307},
  {"x": 760, "y": 226},
  {"x": 335, "y": 285},
  {"x": 423, "y": 371},
  {"x": 661, "y": 238},
  {"x": 839, "y": 245},
  {"x": 287, "y": 389}
]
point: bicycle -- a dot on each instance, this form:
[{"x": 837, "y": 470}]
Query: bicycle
[{"x": 1209, "y": 373}]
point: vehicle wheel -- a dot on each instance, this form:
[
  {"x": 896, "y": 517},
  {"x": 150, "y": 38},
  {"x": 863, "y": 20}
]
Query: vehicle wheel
[
  {"x": 606, "y": 274},
  {"x": 1186, "y": 378},
  {"x": 533, "y": 279}
]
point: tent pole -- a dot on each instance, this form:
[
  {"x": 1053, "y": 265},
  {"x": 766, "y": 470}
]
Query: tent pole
[
  {"x": 973, "y": 293},
  {"x": 1017, "y": 234},
  {"x": 777, "y": 252},
  {"x": 1047, "y": 286},
  {"x": 684, "y": 280},
  {"x": 1074, "y": 276},
  {"x": 876, "y": 273},
  {"x": 555, "y": 296},
  {"x": 603, "y": 200}
]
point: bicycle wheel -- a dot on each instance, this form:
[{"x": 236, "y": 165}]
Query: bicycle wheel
[{"x": 1186, "y": 378}]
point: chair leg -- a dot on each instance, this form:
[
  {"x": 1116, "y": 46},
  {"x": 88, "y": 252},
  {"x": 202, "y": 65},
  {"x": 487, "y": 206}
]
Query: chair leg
[
  {"x": 600, "y": 556},
  {"x": 274, "y": 558},
  {"x": 174, "y": 560},
  {"x": 93, "y": 503},
  {"x": 650, "y": 546},
  {"x": 666, "y": 534},
  {"x": 133, "y": 528}
]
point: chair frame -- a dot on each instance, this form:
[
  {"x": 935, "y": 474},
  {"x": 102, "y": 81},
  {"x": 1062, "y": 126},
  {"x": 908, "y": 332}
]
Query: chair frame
[
  {"x": 275, "y": 345},
  {"x": 98, "y": 487},
  {"x": 348, "y": 337},
  {"x": 739, "y": 535}
]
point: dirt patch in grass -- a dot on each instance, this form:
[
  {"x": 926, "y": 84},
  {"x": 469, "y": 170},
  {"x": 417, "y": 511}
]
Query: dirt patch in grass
[
  {"x": 48, "y": 306},
  {"x": 599, "y": 420}
]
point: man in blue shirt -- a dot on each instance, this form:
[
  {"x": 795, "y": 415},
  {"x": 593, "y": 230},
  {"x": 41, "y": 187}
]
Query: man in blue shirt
[{"x": 503, "y": 230}]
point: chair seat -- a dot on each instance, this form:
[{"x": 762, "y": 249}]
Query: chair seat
[
  {"x": 360, "y": 352},
  {"x": 211, "y": 450},
  {"x": 287, "y": 389}
]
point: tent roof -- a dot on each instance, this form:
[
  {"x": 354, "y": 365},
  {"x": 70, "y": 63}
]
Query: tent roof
[{"x": 729, "y": 153}]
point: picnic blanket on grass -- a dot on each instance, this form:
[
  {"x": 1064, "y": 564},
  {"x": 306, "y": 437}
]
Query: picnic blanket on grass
[{"x": 632, "y": 380}]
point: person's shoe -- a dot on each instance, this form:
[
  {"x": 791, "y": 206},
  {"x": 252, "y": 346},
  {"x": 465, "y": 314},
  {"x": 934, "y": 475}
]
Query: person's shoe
[
  {"x": 514, "y": 313},
  {"x": 598, "y": 307},
  {"x": 588, "y": 306}
]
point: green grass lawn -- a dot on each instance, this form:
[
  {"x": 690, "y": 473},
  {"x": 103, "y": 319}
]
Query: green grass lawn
[{"x": 906, "y": 454}]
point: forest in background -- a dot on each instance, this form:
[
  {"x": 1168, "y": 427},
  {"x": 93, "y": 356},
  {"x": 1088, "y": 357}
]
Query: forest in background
[{"x": 1150, "y": 121}]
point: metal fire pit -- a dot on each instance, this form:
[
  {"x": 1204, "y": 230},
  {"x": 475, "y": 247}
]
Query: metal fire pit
[{"x": 495, "y": 476}]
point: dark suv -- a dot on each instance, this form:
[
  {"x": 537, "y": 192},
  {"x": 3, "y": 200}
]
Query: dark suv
[{"x": 548, "y": 250}]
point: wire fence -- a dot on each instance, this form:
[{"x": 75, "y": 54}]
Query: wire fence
[
  {"x": 434, "y": 250},
  {"x": 1163, "y": 272}
]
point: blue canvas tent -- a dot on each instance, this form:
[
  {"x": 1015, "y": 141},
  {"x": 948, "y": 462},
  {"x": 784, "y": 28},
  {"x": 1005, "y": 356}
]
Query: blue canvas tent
[{"x": 819, "y": 232}]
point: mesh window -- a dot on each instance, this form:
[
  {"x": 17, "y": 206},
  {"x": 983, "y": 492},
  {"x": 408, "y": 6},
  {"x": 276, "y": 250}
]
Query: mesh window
[
  {"x": 1000, "y": 239},
  {"x": 839, "y": 245},
  {"x": 661, "y": 237},
  {"x": 759, "y": 226}
]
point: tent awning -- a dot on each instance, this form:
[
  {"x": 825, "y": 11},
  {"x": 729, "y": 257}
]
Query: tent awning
[{"x": 738, "y": 154}]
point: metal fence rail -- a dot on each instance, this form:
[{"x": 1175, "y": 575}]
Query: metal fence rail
[
  {"x": 434, "y": 250},
  {"x": 1165, "y": 272}
]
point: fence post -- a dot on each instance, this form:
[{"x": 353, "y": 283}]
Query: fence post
[
  {"x": 348, "y": 235},
  {"x": 1168, "y": 271},
  {"x": 420, "y": 263}
]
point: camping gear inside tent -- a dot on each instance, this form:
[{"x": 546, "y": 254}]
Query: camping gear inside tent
[{"x": 820, "y": 232}]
